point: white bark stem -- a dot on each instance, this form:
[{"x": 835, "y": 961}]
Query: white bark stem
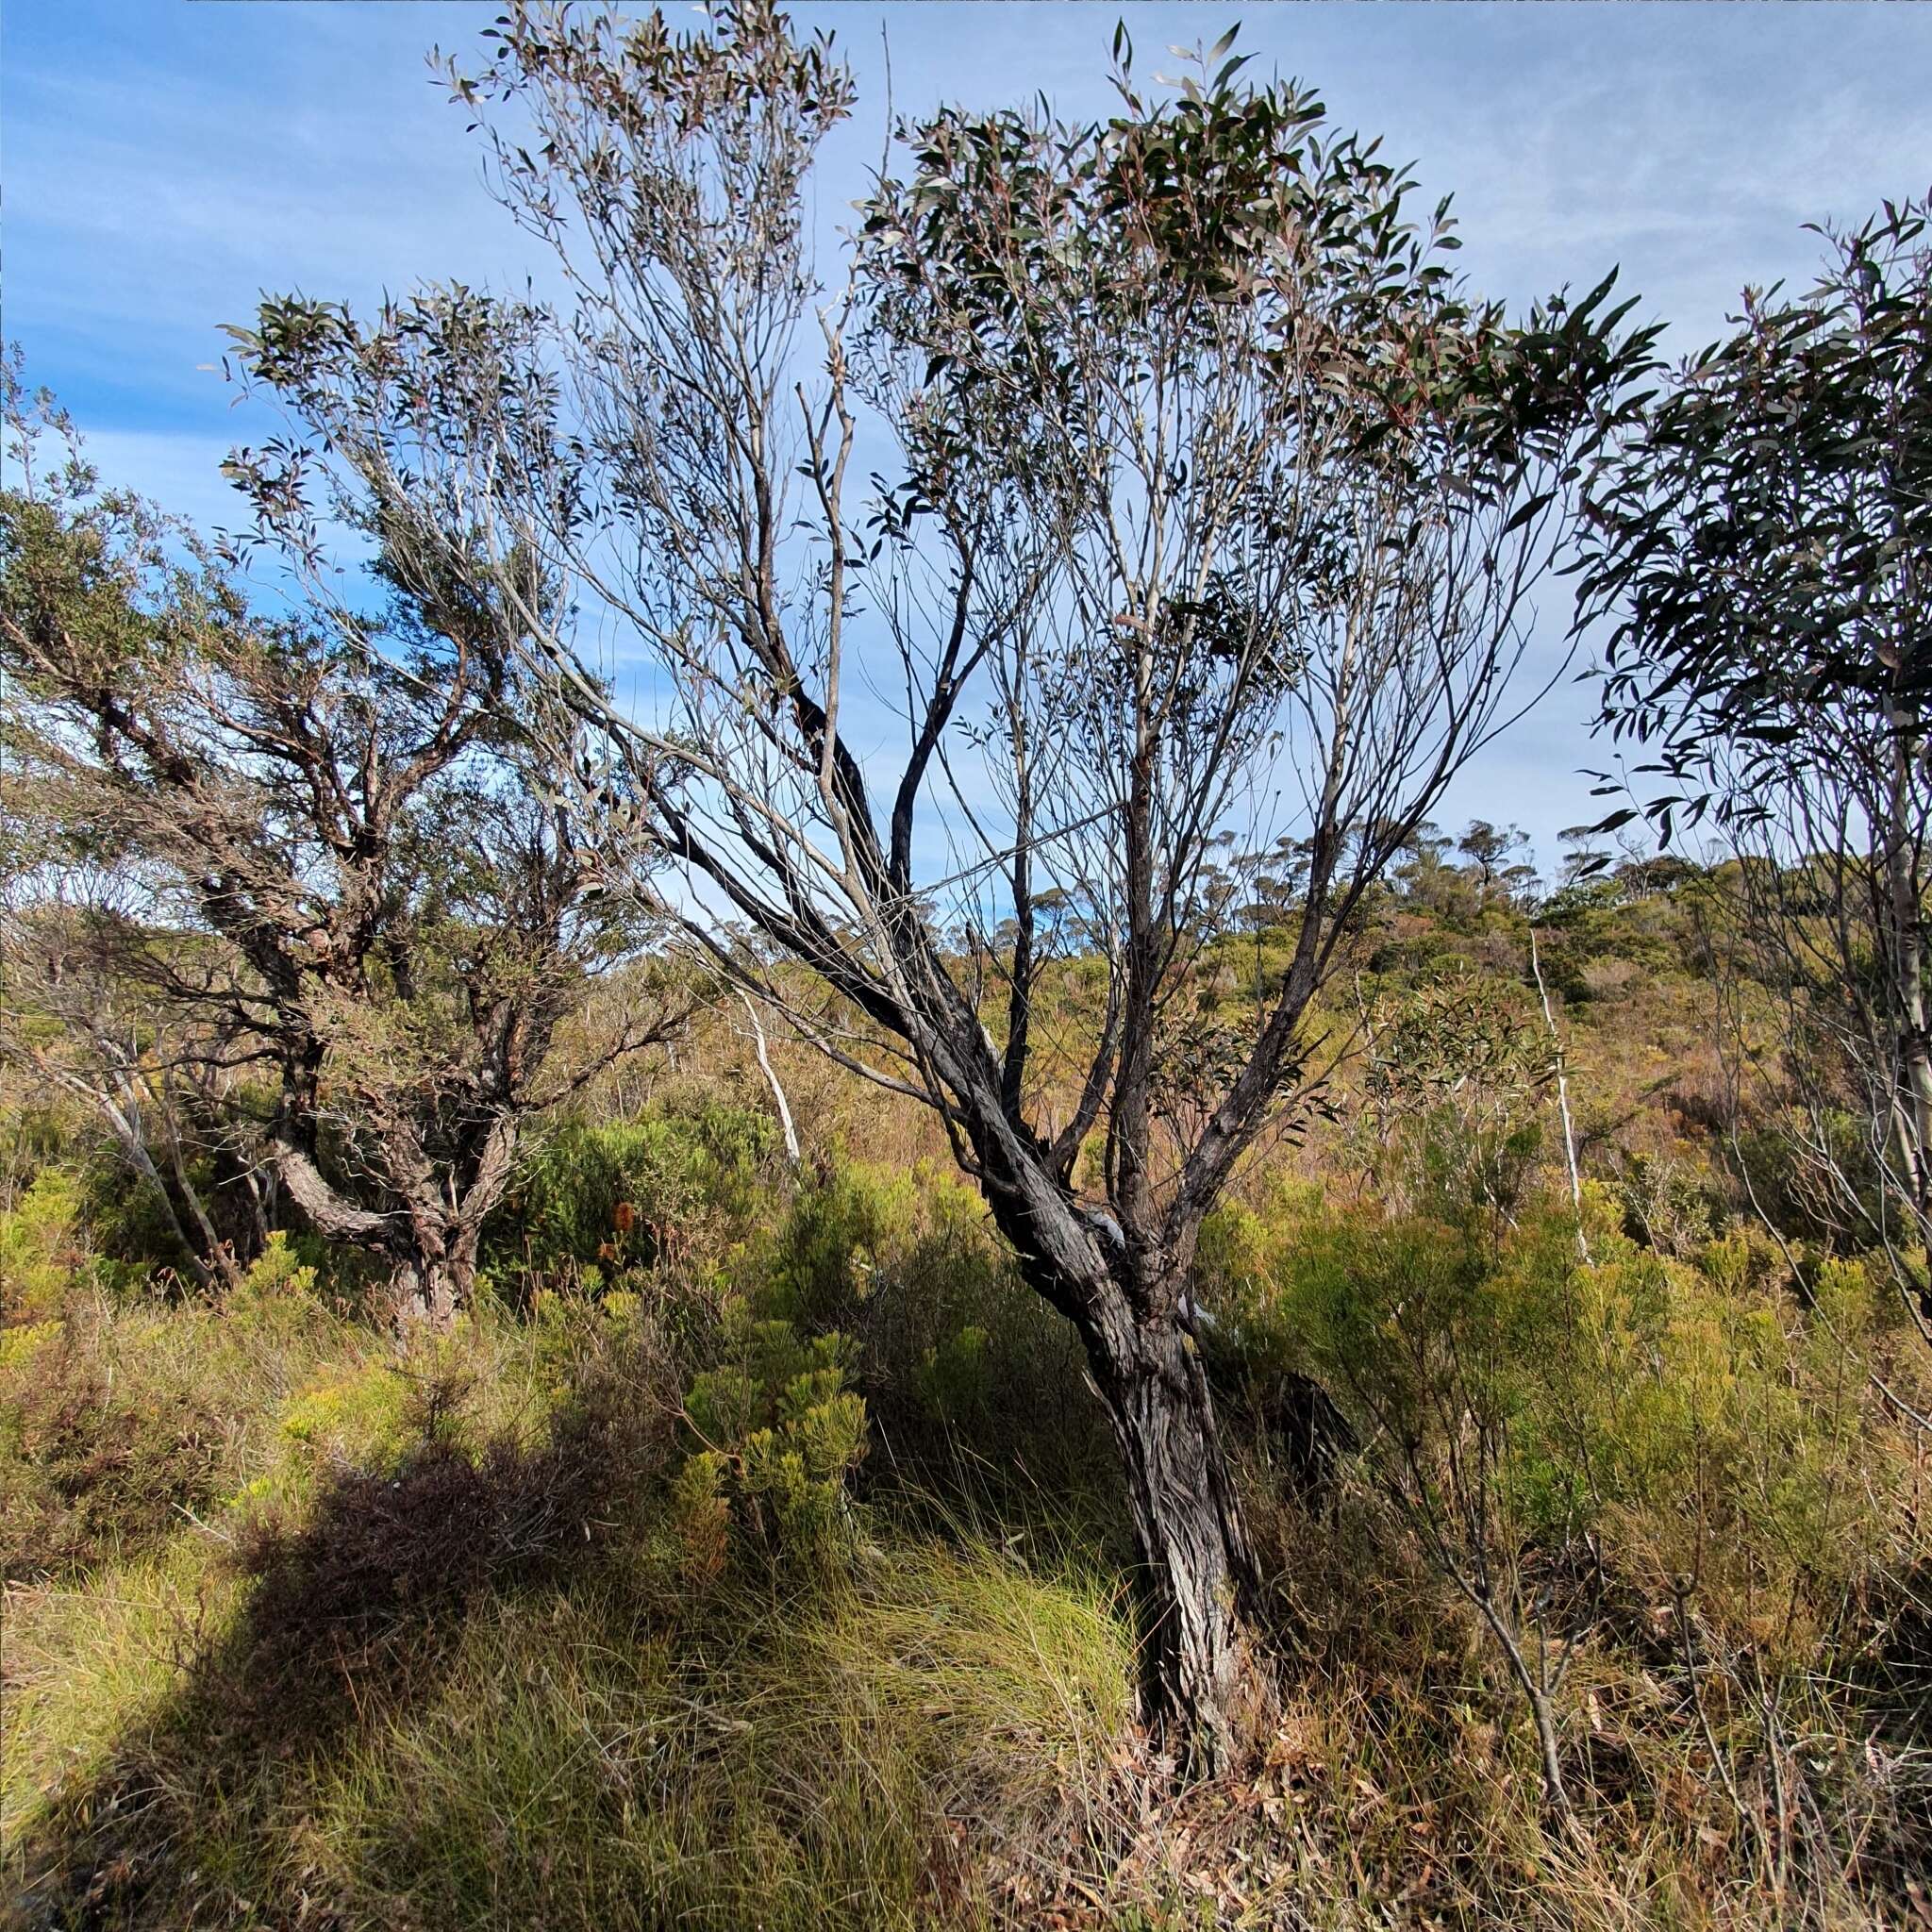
[
  {"x": 1536, "y": 967},
  {"x": 778, "y": 1100}
]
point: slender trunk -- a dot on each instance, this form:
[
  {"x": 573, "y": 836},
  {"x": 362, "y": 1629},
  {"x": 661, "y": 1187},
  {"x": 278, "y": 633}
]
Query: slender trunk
[
  {"x": 1543, "y": 1713},
  {"x": 778, "y": 1100},
  {"x": 1907, "y": 906},
  {"x": 220, "y": 1255},
  {"x": 1195, "y": 1572},
  {"x": 1911, "y": 1081},
  {"x": 124, "y": 1120},
  {"x": 1536, "y": 966},
  {"x": 261, "y": 1202}
]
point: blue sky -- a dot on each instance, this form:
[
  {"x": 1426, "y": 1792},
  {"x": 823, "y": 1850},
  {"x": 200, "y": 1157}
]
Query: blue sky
[{"x": 166, "y": 159}]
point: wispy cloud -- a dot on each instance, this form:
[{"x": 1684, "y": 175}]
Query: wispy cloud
[{"x": 165, "y": 164}]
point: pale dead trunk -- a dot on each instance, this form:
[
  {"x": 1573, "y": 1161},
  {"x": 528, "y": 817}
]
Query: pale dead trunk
[
  {"x": 1536, "y": 967},
  {"x": 778, "y": 1100}
]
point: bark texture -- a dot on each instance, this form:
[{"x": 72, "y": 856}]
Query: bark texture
[
  {"x": 1202, "y": 1685},
  {"x": 1196, "y": 1568}
]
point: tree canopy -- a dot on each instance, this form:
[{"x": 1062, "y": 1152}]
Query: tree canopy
[{"x": 334, "y": 868}]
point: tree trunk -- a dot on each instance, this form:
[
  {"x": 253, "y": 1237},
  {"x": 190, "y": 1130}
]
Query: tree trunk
[
  {"x": 424, "y": 1292},
  {"x": 1203, "y": 1687},
  {"x": 437, "y": 1281},
  {"x": 1200, "y": 1682}
]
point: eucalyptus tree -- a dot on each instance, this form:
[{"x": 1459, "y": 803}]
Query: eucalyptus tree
[
  {"x": 1133, "y": 486},
  {"x": 1500, "y": 857},
  {"x": 1764, "y": 545},
  {"x": 329, "y": 868}
]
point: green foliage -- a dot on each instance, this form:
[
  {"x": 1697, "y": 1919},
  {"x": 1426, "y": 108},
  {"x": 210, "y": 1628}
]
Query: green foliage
[
  {"x": 955, "y": 1377},
  {"x": 41, "y": 1249},
  {"x": 1759, "y": 540},
  {"x": 960, "y": 1363},
  {"x": 626, "y": 1194},
  {"x": 1455, "y": 1085},
  {"x": 823, "y": 1266},
  {"x": 564, "y": 1617},
  {"x": 1826, "y": 1186},
  {"x": 121, "y": 1418},
  {"x": 780, "y": 1432},
  {"x": 565, "y": 1681},
  {"x": 277, "y": 1272},
  {"x": 125, "y": 1216},
  {"x": 1668, "y": 1204},
  {"x": 387, "y": 1710},
  {"x": 1702, "y": 1437}
]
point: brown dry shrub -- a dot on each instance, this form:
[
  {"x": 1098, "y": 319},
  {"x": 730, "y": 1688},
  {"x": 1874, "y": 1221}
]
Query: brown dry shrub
[{"x": 100, "y": 1466}]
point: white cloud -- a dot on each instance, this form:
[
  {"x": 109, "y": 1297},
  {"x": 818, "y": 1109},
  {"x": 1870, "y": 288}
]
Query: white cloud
[{"x": 165, "y": 164}]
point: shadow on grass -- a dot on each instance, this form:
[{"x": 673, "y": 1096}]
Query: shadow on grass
[{"x": 350, "y": 1620}]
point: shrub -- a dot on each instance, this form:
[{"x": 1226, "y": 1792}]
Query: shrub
[
  {"x": 820, "y": 1268},
  {"x": 1667, "y": 1203},
  {"x": 975, "y": 1384},
  {"x": 667, "y": 1187},
  {"x": 41, "y": 1254},
  {"x": 779, "y": 1432},
  {"x": 1453, "y": 1086},
  {"x": 1683, "y": 1417},
  {"x": 124, "y": 1416}
]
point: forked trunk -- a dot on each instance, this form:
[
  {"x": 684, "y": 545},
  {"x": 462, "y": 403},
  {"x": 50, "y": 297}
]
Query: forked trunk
[
  {"x": 433, "y": 1284},
  {"x": 1201, "y": 1684}
]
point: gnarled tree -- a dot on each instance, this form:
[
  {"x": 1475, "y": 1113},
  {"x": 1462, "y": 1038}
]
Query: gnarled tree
[
  {"x": 334, "y": 869},
  {"x": 1203, "y": 512}
]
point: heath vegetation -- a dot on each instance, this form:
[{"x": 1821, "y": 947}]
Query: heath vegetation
[{"x": 952, "y": 1267}]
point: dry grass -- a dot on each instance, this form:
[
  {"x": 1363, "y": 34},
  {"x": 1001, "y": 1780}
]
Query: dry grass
[{"x": 400, "y": 1641}]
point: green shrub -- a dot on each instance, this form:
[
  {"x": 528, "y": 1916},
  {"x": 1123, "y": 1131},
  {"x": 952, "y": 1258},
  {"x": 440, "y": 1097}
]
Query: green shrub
[
  {"x": 779, "y": 1432},
  {"x": 125, "y": 1216},
  {"x": 954, "y": 1374},
  {"x": 971, "y": 1376},
  {"x": 1667, "y": 1203},
  {"x": 1701, "y": 1431},
  {"x": 124, "y": 1416},
  {"x": 823, "y": 1264},
  {"x": 1454, "y": 1085},
  {"x": 671, "y": 1186},
  {"x": 42, "y": 1257}
]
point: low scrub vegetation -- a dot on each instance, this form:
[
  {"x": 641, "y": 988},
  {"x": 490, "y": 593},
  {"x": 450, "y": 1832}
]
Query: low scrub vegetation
[
  {"x": 958, "y": 1272},
  {"x": 773, "y": 1575}
]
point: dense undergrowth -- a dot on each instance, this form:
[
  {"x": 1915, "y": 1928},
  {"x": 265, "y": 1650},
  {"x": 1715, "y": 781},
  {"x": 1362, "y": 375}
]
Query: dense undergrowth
[{"x": 751, "y": 1554}]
